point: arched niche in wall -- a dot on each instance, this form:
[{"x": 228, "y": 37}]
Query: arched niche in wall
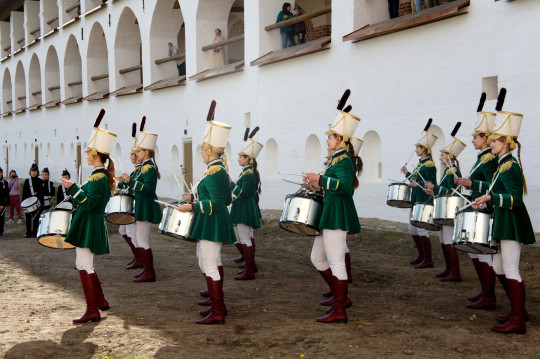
[
  {"x": 313, "y": 155},
  {"x": 97, "y": 61},
  {"x": 7, "y": 92},
  {"x": 20, "y": 87},
  {"x": 371, "y": 158},
  {"x": 72, "y": 70},
  {"x": 52, "y": 76},
  {"x": 34, "y": 82},
  {"x": 319, "y": 26},
  {"x": 167, "y": 26},
  {"x": 271, "y": 160},
  {"x": 127, "y": 50},
  {"x": 235, "y": 27}
]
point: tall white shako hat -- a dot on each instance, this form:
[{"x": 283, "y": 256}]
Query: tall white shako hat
[
  {"x": 507, "y": 124},
  {"x": 344, "y": 123},
  {"x": 484, "y": 120},
  {"x": 252, "y": 148},
  {"x": 455, "y": 147},
  {"x": 357, "y": 145},
  {"x": 101, "y": 140},
  {"x": 134, "y": 137},
  {"x": 147, "y": 140},
  {"x": 428, "y": 139},
  {"x": 216, "y": 134}
]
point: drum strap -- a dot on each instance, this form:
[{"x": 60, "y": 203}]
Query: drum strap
[
  {"x": 31, "y": 187},
  {"x": 64, "y": 191}
]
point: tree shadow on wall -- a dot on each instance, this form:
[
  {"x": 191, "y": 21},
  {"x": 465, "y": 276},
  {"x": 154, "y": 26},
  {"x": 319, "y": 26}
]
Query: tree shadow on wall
[{"x": 72, "y": 345}]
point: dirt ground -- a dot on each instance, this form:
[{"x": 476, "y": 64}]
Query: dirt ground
[{"x": 397, "y": 312}]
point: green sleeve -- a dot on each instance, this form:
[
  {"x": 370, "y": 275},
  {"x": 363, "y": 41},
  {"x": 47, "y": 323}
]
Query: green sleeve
[
  {"x": 480, "y": 187},
  {"x": 146, "y": 183},
  {"x": 245, "y": 184},
  {"x": 89, "y": 196},
  {"x": 513, "y": 184},
  {"x": 341, "y": 183},
  {"x": 218, "y": 196}
]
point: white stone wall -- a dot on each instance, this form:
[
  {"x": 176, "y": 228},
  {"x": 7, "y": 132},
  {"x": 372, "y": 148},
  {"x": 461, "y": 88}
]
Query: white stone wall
[{"x": 397, "y": 81}]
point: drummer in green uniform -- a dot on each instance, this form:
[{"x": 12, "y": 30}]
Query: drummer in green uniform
[
  {"x": 338, "y": 216},
  {"x": 449, "y": 155},
  {"x": 88, "y": 232},
  {"x": 213, "y": 226},
  {"x": 511, "y": 223},
  {"x": 126, "y": 230},
  {"x": 245, "y": 213},
  {"x": 425, "y": 171},
  {"x": 147, "y": 211},
  {"x": 482, "y": 171}
]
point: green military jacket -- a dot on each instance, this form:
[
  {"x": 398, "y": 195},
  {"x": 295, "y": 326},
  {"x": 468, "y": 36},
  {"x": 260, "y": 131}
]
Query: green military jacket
[
  {"x": 339, "y": 211},
  {"x": 482, "y": 171},
  {"x": 510, "y": 220},
  {"x": 424, "y": 170},
  {"x": 87, "y": 229},
  {"x": 245, "y": 209},
  {"x": 133, "y": 175},
  {"x": 144, "y": 186},
  {"x": 447, "y": 185},
  {"x": 213, "y": 221}
]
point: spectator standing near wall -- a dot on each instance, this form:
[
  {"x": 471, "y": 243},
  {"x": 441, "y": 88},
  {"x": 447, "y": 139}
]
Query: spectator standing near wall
[
  {"x": 218, "y": 57},
  {"x": 393, "y": 8},
  {"x": 180, "y": 63},
  {"x": 4, "y": 199},
  {"x": 300, "y": 28},
  {"x": 14, "y": 197},
  {"x": 285, "y": 14}
]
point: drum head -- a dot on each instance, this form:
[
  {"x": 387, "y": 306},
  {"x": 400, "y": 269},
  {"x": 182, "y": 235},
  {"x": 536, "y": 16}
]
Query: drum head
[
  {"x": 299, "y": 228},
  {"x": 56, "y": 242},
  {"x": 120, "y": 218},
  {"x": 65, "y": 205},
  {"x": 29, "y": 201}
]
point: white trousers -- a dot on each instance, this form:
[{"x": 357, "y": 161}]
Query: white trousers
[
  {"x": 84, "y": 259},
  {"x": 484, "y": 258},
  {"x": 141, "y": 233},
  {"x": 126, "y": 230},
  {"x": 243, "y": 234},
  {"x": 416, "y": 231},
  {"x": 507, "y": 260},
  {"x": 209, "y": 254},
  {"x": 198, "y": 251},
  {"x": 446, "y": 234},
  {"x": 329, "y": 250}
]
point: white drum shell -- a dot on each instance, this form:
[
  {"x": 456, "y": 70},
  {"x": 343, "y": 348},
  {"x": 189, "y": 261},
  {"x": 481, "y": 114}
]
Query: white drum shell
[
  {"x": 31, "y": 204},
  {"x": 399, "y": 195},
  {"x": 422, "y": 217},
  {"x": 301, "y": 215},
  {"x": 472, "y": 233},
  {"x": 177, "y": 224},
  {"x": 53, "y": 228},
  {"x": 446, "y": 208},
  {"x": 120, "y": 209}
]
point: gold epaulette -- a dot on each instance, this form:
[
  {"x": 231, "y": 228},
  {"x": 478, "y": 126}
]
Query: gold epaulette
[
  {"x": 96, "y": 177},
  {"x": 505, "y": 166},
  {"x": 430, "y": 164},
  {"x": 487, "y": 157},
  {"x": 213, "y": 170},
  {"x": 451, "y": 171},
  {"x": 247, "y": 172},
  {"x": 339, "y": 158},
  {"x": 146, "y": 168}
]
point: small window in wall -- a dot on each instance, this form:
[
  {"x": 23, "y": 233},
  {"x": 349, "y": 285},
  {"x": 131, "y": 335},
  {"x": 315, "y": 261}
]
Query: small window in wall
[
  {"x": 314, "y": 158},
  {"x": 271, "y": 167},
  {"x": 62, "y": 155},
  {"x": 490, "y": 85},
  {"x": 175, "y": 161},
  {"x": 118, "y": 156},
  {"x": 371, "y": 157}
]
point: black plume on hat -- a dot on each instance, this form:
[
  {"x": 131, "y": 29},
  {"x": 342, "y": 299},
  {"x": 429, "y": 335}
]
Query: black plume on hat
[
  {"x": 34, "y": 167},
  {"x": 343, "y": 99},
  {"x": 211, "y": 111},
  {"x": 428, "y": 124},
  {"x": 255, "y": 130},
  {"x": 481, "y": 103},
  {"x": 456, "y": 129},
  {"x": 500, "y": 99},
  {"x": 246, "y": 134},
  {"x": 100, "y": 117},
  {"x": 143, "y": 123},
  {"x": 65, "y": 172},
  {"x": 45, "y": 169},
  {"x": 347, "y": 109},
  {"x": 134, "y": 130}
]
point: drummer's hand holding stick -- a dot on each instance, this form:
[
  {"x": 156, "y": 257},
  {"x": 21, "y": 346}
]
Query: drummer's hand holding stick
[
  {"x": 125, "y": 178},
  {"x": 481, "y": 202},
  {"x": 187, "y": 197},
  {"x": 405, "y": 171},
  {"x": 185, "y": 207},
  {"x": 463, "y": 182},
  {"x": 311, "y": 177}
]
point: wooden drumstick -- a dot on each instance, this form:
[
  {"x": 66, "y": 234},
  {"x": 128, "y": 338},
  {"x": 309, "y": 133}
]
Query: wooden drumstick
[
  {"x": 120, "y": 164},
  {"x": 54, "y": 167},
  {"x": 300, "y": 184},
  {"x": 291, "y": 174},
  {"x": 462, "y": 196},
  {"x": 299, "y": 164},
  {"x": 165, "y": 204}
]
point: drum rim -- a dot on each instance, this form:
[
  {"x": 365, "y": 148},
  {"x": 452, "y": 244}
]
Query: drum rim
[
  {"x": 176, "y": 236},
  {"x": 303, "y": 224},
  {"x": 37, "y": 239},
  {"x": 302, "y": 194},
  {"x": 120, "y": 224},
  {"x": 123, "y": 195},
  {"x": 398, "y": 183}
]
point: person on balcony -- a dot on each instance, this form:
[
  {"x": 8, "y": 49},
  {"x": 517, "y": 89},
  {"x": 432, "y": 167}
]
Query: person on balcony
[
  {"x": 218, "y": 57},
  {"x": 285, "y": 31}
]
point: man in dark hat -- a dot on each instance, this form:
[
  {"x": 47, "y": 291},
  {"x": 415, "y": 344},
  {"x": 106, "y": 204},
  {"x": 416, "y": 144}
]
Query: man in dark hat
[
  {"x": 4, "y": 199},
  {"x": 300, "y": 27},
  {"x": 48, "y": 188},
  {"x": 62, "y": 191},
  {"x": 33, "y": 187}
]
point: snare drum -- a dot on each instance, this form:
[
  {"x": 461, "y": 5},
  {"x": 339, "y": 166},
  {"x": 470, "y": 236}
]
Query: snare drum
[
  {"x": 472, "y": 232},
  {"x": 399, "y": 195},
  {"x": 120, "y": 209},
  {"x": 422, "y": 217},
  {"x": 446, "y": 208},
  {"x": 53, "y": 228},
  {"x": 177, "y": 224},
  {"x": 65, "y": 205},
  {"x": 30, "y": 205},
  {"x": 302, "y": 213}
]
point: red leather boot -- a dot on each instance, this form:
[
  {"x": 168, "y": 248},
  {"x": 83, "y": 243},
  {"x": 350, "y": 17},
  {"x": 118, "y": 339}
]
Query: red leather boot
[
  {"x": 133, "y": 249},
  {"x": 240, "y": 259},
  {"x": 338, "y": 314},
  {"x": 476, "y": 263},
  {"x": 427, "y": 262},
  {"x": 420, "y": 257},
  {"x": 204, "y": 293},
  {"x": 90, "y": 295},
  {"x": 446, "y": 271},
  {"x": 453, "y": 259},
  {"x": 217, "y": 314},
  {"x": 149, "y": 274},
  {"x": 137, "y": 263},
  {"x": 516, "y": 323},
  {"x": 503, "y": 318},
  {"x": 101, "y": 301},
  {"x": 487, "y": 279},
  {"x": 205, "y": 312},
  {"x": 249, "y": 272},
  {"x": 327, "y": 276},
  {"x": 348, "y": 266}
]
